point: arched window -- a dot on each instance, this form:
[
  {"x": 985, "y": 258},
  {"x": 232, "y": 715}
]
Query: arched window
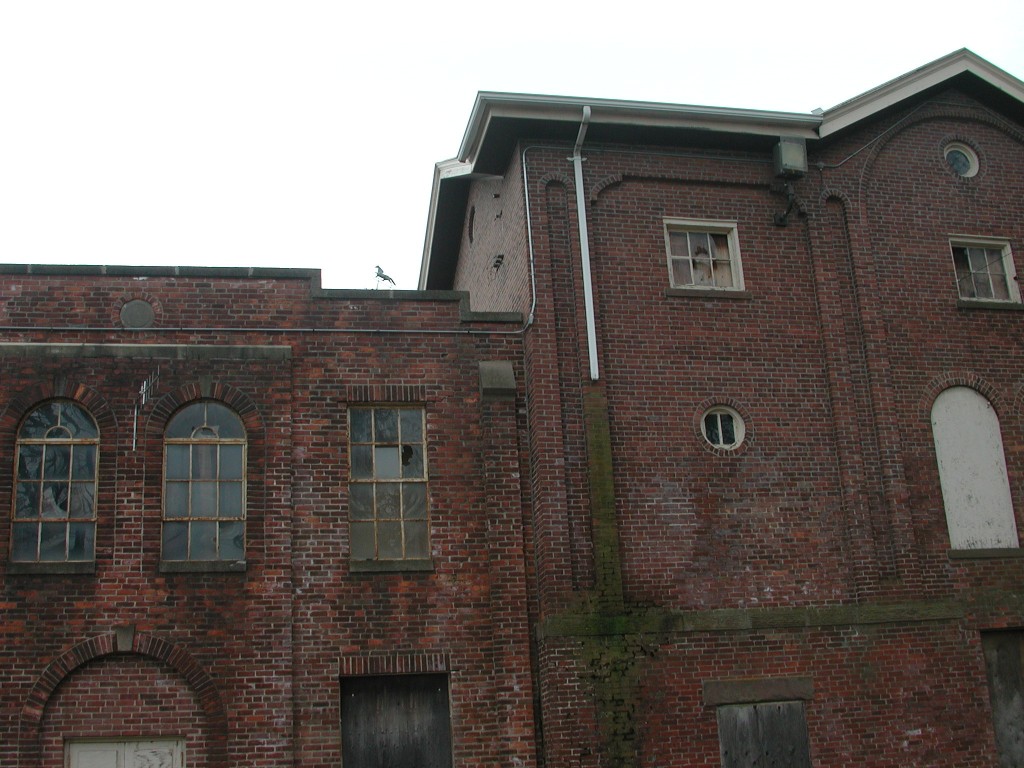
[
  {"x": 204, "y": 485},
  {"x": 55, "y": 485},
  {"x": 972, "y": 471}
]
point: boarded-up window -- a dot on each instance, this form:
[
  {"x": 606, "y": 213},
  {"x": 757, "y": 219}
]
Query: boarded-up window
[
  {"x": 1003, "y": 651},
  {"x": 771, "y": 734},
  {"x": 972, "y": 471},
  {"x": 395, "y": 721},
  {"x": 162, "y": 753}
]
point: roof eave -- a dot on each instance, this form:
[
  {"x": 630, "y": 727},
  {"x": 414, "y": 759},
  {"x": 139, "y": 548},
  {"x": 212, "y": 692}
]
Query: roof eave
[
  {"x": 909, "y": 85},
  {"x": 491, "y": 106}
]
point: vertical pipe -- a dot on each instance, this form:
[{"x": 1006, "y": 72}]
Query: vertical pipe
[{"x": 581, "y": 214}]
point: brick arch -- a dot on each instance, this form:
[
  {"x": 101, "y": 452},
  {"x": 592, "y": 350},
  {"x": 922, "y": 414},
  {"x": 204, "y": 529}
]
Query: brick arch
[
  {"x": 600, "y": 186},
  {"x": 149, "y": 298},
  {"x": 235, "y": 398},
  {"x": 142, "y": 644},
  {"x": 554, "y": 178},
  {"x": 736, "y": 405},
  {"x": 968, "y": 379},
  {"x": 62, "y": 389},
  {"x": 931, "y": 113}
]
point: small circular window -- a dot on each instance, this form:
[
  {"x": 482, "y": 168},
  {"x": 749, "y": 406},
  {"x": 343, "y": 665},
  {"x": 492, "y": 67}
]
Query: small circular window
[
  {"x": 723, "y": 427},
  {"x": 962, "y": 159}
]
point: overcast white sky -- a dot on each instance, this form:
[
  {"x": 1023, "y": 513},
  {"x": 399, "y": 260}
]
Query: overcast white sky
[{"x": 304, "y": 133}]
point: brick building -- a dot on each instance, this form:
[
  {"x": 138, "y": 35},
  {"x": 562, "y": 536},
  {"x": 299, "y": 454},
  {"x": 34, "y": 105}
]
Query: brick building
[
  {"x": 756, "y": 338},
  {"x": 699, "y": 445}
]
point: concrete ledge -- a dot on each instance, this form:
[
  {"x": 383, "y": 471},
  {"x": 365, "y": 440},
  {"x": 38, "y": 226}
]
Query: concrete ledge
[
  {"x": 64, "y": 568},
  {"x": 757, "y": 689},
  {"x": 202, "y": 566},
  {"x": 1010, "y": 306},
  {"x": 162, "y": 351},
  {"x": 707, "y": 293},
  {"x": 497, "y": 380},
  {"x": 1009, "y": 553},
  {"x": 751, "y": 619},
  {"x": 390, "y": 566}
]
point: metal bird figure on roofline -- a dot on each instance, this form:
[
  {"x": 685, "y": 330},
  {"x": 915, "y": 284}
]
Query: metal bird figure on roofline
[{"x": 381, "y": 276}]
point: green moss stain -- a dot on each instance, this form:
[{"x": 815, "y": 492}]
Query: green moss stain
[{"x": 607, "y": 560}]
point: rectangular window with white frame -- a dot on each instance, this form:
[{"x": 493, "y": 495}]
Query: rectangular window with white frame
[
  {"x": 703, "y": 254},
  {"x": 984, "y": 269}
]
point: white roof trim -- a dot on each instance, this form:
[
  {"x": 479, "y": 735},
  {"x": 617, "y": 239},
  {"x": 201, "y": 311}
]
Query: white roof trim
[
  {"x": 491, "y": 105},
  {"x": 912, "y": 83}
]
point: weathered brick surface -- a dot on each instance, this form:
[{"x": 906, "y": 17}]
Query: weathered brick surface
[
  {"x": 848, "y": 330},
  {"x": 595, "y": 562},
  {"x": 245, "y": 666}
]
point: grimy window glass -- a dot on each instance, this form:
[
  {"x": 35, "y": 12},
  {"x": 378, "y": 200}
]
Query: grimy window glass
[
  {"x": 204, "y": 484},
  {"x": 55, "y": 485},
  {"x": 388, "y": 483}
]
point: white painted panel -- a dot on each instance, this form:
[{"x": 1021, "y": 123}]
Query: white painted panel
[
  {"x": 94, "y": 756},
  {"x": 972, "y": 469},
  {"x": 160, "y": 753}
]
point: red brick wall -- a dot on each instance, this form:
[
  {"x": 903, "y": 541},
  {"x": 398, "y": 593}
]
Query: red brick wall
[
  {"x": 848, "y": 329},
  {"x": 268, "y": 644}
]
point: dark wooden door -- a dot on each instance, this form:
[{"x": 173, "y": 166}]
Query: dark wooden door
[
  {"x": 1003, "y": 660},
  {"x": 395, "y": 721},
  {"x": 768, "y": 735}
]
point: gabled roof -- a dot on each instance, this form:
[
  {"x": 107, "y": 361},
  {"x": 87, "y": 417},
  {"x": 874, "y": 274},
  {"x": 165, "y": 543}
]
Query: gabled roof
[
  {"x": 499, "y": 120},
  {"x": 958, "y": 67}
]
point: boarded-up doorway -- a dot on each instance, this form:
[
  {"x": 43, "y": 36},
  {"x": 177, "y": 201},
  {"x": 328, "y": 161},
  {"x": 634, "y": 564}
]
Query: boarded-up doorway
[
  {"x": 160, "y": 753},
  {"x": 395, "y": 721},
  {"x": 771, "y": 734},
  {"x": 1005, "y": 664}
]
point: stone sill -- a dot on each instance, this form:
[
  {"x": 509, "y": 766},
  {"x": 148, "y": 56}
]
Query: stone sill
[
  {"x": 1006, "y": 306},
  {"x": 986, "y": 554},
  {"x": 202, "y": 566},
  {"x": 391, "y": 566},
  {"x": 708, "y": 293},
  {"x": 64, "y": 568}
]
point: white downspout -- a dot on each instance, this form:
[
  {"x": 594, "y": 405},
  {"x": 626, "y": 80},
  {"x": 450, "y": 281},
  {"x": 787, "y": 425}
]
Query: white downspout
[{"x": 581, "y": 214}]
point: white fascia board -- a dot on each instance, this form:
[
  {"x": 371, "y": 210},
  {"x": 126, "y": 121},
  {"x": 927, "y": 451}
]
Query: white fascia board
[
  {"x": 912, "y": 83},
  {"x": 490, "y": 105},
  {"x": 446, "y": 169}
]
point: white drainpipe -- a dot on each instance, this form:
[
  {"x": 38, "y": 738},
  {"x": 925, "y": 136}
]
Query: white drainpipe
[{"x": 581, "y": 213}]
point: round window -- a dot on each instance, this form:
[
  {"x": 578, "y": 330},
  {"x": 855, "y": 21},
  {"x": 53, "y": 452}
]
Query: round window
[
  {"x": 962, "y": 159},
  {"x": 723, "y": 427}
]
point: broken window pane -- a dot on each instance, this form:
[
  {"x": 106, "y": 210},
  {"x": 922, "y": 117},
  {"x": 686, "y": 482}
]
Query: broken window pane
[
  {"x": 702, "y": 272},
  {"x": 984, "y": 272},
  {"x": 702, "y": 258},
  {"x": 379, "y": 493}
]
